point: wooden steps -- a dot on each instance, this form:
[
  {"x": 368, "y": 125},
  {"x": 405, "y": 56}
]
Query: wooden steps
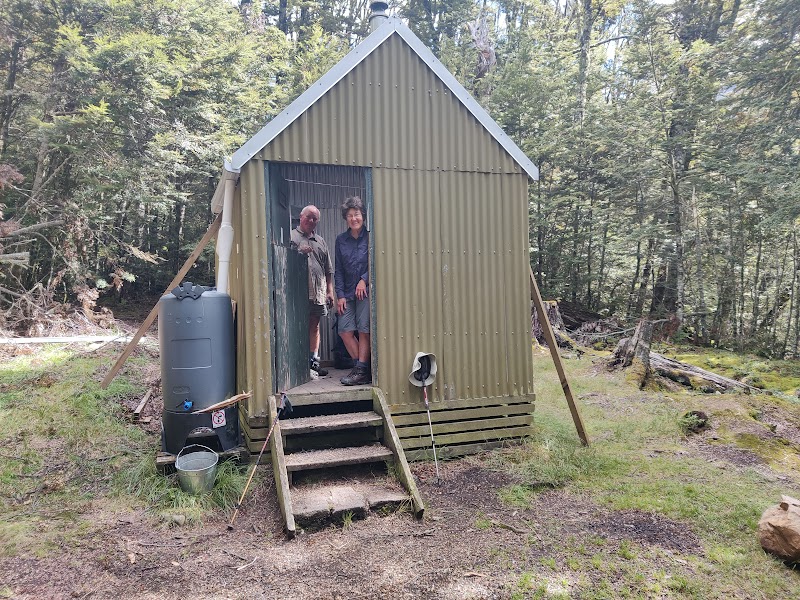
[
  {"x": 337, "y": 457},
  {"x": 307, "y": 399},
  {"x": 320, "y": 505},
  {"x": 334, "y": 422},
  {"x": 333, "y": 432}
]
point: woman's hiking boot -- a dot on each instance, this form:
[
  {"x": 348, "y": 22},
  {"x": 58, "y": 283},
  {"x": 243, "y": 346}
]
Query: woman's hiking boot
[
  {"x": 348, "y": 376},
  {"x": 358, "y": 376}
]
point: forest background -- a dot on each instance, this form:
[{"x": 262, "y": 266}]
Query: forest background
[{"x": 667, "y": 135}]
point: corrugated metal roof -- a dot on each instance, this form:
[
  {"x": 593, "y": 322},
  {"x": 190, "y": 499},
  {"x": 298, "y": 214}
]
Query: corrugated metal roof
[{"x": 390, "y": 27}]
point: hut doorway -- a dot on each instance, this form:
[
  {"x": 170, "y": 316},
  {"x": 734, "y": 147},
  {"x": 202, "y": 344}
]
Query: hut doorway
[{"x": 290, "y": 187}]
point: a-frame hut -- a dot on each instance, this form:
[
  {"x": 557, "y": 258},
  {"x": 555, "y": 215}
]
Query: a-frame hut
[{"x": 447, "y": 198}]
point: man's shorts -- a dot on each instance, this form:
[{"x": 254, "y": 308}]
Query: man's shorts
[
  {"x": 355, "y": 317},
  {"x": 317, "y": 310}
]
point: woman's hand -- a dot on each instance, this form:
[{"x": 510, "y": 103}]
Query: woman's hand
[
  {"x": 361, "y": 289},
  {"x": 341, "y": 305}
]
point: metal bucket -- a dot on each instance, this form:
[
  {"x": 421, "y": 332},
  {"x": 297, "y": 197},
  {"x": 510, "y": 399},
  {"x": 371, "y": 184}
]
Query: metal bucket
[{"x": 197, "y": 470}]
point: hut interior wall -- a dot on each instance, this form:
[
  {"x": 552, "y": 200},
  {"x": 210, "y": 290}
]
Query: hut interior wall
[{"x": 326, "y": 187}]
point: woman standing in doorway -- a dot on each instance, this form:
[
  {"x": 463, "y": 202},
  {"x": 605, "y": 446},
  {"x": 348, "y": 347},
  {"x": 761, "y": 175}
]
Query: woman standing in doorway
[{"x": 352, "y": 290}]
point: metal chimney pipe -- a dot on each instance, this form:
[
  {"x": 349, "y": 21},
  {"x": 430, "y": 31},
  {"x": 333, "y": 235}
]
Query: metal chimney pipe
[{"x": 377, "y": 14}]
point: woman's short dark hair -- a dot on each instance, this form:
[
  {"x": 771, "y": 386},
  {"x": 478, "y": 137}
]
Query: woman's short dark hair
[{"x": 353, "y": 202}]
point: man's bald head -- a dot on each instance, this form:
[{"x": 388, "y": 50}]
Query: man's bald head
[{"x": 309, "y": 217}]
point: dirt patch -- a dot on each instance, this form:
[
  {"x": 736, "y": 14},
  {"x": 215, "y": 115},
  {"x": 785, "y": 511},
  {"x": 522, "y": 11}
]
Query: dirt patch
[
  {"x": 751, "y": 435},
  {"x": 731, "y": 455},
  {"x": 644, "y": 528},
  {"x": 470, "y": 545}
]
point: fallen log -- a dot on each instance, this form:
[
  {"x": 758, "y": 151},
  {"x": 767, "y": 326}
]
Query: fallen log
[
  {"x": 65, "y": 340},
  {"x": 634, "y": 354},
  {"x": 695, "y": 377}
]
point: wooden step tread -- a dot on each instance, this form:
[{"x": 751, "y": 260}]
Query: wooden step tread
[
  {"x": 320, "y": 504},
  {"x": 340, "y": 394},
  {"x": 337, "y": 457},
  {"x": 331, "y": 422}
]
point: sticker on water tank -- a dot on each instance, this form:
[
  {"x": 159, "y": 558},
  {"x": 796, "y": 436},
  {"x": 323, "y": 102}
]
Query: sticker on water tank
[{"x": 218, "y": 418}]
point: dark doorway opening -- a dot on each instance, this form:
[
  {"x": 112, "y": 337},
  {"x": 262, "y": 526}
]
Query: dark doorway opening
[{"x": 291, "y": 187}]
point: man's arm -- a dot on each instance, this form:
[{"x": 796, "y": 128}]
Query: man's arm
[{"x": 329, "y": 288}]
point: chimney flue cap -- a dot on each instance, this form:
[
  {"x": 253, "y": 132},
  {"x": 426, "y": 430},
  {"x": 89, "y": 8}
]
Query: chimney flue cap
[{"x": 377, "y": 13}]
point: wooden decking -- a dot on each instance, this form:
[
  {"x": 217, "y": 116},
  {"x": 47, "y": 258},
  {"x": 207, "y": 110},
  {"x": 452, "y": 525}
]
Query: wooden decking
[{"x": 328, "y": 383}]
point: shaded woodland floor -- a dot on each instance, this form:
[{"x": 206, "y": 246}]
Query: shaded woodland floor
[{"x": 646, "y": 512}]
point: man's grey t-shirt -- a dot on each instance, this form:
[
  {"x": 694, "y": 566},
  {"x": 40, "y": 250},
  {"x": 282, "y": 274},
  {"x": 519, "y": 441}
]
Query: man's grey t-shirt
[{"x": 319, "y": 264}]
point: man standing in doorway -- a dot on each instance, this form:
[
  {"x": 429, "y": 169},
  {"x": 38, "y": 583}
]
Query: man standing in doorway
[{"x": 320, "y": 277}]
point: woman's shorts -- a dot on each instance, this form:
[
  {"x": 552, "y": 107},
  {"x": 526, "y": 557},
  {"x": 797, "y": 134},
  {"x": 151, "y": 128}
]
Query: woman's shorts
[{"x": 355, "y": 317}]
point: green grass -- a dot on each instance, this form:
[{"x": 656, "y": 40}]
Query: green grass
[
  {"x": 164, "y": 496},
  {"x": 69, "y": 448},
  {"x": 482, "y": 522},
  {"x": 638, "y": 460},
  {"x": 70, "y": 452}
]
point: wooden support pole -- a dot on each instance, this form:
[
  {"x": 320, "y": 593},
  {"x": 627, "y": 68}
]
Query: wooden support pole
[
  {"x": 550, "y": 338},
  {"x": 212, "y": 231}
]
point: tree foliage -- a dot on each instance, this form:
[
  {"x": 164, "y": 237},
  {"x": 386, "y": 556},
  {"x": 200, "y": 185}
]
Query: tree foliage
[{"x": 666, "y": 134}]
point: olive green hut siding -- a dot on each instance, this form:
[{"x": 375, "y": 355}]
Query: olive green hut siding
[
  {"x": 449, "y": 228},
  {"x": 249, "y": 289},
  {"x": 450, "y": 278},
  {"x": 391, "y": 111}
]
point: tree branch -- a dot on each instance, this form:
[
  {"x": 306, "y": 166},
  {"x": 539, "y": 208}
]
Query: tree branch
[
  {"x": 9, "y": 292},
  {"x": 608, "y": 41},
  {"x": 32, "y": 228},
  {"x": 16, "y": 258}
]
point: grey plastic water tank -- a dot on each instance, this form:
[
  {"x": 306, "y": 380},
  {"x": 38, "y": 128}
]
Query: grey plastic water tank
[{"x": 195, "y": 335}]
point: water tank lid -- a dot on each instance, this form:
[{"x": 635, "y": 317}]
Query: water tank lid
[{"x": 188, "y": 290}]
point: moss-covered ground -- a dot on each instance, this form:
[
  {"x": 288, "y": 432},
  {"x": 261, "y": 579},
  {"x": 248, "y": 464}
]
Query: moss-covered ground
[{"x": 777, "y": 376}]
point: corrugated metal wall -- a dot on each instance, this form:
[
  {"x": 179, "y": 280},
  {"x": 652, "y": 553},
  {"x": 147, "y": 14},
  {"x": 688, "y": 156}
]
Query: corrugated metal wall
[
  {"x": 391, "y": 111},
  {"x": 451, "y": 278},
  {"x": 249, "y": 288}
]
